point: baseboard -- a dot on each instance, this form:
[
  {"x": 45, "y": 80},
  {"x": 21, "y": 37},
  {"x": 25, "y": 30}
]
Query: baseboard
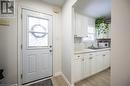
[
  {"x": 8, "y": 84},
  {"x": 67, "y": 80},
  {"x": 60, "y": 73},
  {"x": 14, "y": 85},
  {"x": 57, "y": 74}
]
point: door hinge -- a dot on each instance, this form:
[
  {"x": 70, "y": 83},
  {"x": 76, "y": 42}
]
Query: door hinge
[
  {"x": 21, "y": 46},
  {"x": 21, "y": 76},
  {"x": 21, "y": 16}
]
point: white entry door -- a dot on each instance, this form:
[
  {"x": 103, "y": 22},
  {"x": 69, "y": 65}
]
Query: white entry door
[{"x": 37, "y": 46}]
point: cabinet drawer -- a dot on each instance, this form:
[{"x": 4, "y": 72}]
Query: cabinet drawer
[
  {"x": 107, "y": 52},
  {"x": 103, "y": 52},
  {"x": 78, "y": 56},
  {"x": 90, "y": 54}
]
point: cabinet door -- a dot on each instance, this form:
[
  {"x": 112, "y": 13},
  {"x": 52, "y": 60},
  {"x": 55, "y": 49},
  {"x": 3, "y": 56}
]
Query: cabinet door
[
  {"x": 78, "y": 31},
  {"x": 84, "y": 26},
  {"x": 106, "y": 56},
  {"x": 77, "y": 70},
  {"x": 93, "y": 63},
  {"x": 87, "y": 69},
  {"x": 100, "y": 61},
  {"x": 81, "y": 25}
]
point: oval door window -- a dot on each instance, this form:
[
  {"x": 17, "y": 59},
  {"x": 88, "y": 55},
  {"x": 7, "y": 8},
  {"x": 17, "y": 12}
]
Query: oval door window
[{"x": 38, "y": 31}]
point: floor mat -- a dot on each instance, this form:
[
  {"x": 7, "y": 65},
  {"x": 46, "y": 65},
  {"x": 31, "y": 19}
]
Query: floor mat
[{"x": 43, "y": 83}]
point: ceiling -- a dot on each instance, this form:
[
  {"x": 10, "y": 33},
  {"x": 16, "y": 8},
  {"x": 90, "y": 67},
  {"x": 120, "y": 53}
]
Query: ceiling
[
  {"x": 94, "y": 8},
  {"x": 55, "y": 2}
]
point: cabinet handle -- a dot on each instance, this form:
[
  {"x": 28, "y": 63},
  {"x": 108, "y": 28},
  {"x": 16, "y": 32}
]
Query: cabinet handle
[
  {"x": 104, "y": 55},
  {"x": 78, "y": 56},
  {"x": 90, "y": 57},
  {"x": 82, "y": 59}
]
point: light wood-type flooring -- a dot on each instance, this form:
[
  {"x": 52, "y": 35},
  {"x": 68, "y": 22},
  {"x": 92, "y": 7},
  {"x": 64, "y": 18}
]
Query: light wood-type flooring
[
  {"x": 100, "y": 79},
  {"x": 59, "y": 81}
]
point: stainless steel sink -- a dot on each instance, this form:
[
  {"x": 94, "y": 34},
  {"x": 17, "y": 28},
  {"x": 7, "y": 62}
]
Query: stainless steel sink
[{"x": 95, "y": 48}]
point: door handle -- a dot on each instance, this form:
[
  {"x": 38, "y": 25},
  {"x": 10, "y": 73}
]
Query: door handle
[
  {"x": 50, "y": 46},
  {"x": 90, "y": 57}
]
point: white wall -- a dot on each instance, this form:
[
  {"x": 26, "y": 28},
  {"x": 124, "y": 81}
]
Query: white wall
[
  {"x": 120, "y": 43},
  {"x": 8, "y": 39},
  {"x": 8, "y": 49},
  {"x": 68, "y": 39}
]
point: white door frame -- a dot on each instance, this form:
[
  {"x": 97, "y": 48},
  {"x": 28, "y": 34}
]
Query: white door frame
[{"x": 19, "y": 42}]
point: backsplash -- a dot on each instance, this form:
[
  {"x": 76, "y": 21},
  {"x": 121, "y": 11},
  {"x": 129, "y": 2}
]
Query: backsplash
[{"x": 80, "y": 43}]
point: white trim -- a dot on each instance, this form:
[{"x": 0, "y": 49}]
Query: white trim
[
  {"x": 58, "y": 74},
  {"x": 19, "y": 41},
  {"x": 67, "y": 80},
  {"x": 14, "y": 85},
  {"x": 36, "y": 81}
]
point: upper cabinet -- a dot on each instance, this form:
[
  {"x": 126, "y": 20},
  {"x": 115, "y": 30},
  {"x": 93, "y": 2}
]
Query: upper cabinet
[{"x": 82, "y": 24}]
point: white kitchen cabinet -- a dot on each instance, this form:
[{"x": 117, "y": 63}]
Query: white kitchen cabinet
[
  {"x": 77, "y": 68},
  {"x": 93, "y": 63},
  {"x": 100, "y": 61},
  {"x": 81, "y": 67},
  {"x": 88, "y": 64},
  {"x": 103, "y": 60},
  {"x": 80, "y": 25},
  {"x": 91, "y": 22},
  {"x": 106, "y": 57}
]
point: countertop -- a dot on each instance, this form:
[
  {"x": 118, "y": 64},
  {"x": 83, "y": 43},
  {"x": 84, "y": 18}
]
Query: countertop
[{"x": 90, "y": 50}]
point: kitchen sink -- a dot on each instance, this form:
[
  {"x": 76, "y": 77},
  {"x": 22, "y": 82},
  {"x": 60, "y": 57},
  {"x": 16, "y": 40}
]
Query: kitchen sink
[{"x": 95, "y": 48}]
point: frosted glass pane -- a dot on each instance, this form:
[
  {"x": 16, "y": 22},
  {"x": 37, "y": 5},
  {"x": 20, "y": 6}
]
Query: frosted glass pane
[{"x": 38, "y": 32}]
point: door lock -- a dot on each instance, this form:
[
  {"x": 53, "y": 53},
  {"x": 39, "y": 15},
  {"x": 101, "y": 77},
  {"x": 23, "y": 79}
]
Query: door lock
[{"x": 50, "y": 50}]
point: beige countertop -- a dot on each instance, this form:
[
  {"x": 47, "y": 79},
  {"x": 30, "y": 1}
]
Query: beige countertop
[{"x": 90, "y": 50}]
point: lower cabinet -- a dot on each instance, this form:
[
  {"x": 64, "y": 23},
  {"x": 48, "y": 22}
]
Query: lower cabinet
[
  {"x": 80, "y": 68},
  {"x": 106, "y": 57},
  {"x": 86, "y": 67},
  {"x": 88, "y": 64},
  {"x": 100, "y": 61},
  {"x": 92, "y": 62},
  {"x": 77, "y": 69}
]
